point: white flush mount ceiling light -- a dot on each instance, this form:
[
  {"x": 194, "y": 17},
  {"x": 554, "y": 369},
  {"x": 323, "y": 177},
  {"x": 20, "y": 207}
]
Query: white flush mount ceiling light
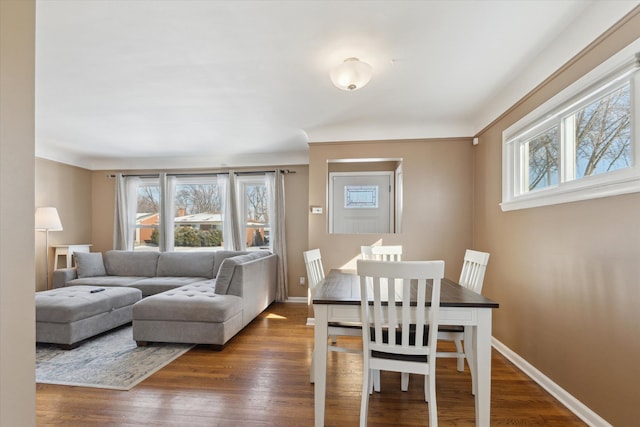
[{"x": 352, "y": 74}]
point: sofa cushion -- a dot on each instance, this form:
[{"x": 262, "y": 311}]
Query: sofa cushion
[
  {"x": 155, "y": 285},
  {"x": 221, "y": 256},
  {"x": 105, "y": 281},
  {"x": 129, "y": 263},
  {"x": 191, "y": 303},
  {"x": 89, "y": 264},
  {"x": 186, "y": 264},
  {"x": 228, "y": 266}
]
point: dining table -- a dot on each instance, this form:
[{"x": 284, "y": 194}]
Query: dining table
[{"x": 337, "y": 299}]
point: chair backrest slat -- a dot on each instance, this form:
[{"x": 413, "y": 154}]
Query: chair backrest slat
[{"x": 382, "y": 253}]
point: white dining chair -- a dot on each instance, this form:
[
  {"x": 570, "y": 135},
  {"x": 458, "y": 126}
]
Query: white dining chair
[
  {"x": 471, "y": 277},
  {"x": 315, "y": 274},
  {"x": 382, "y": 253},
  {"x": 399, "y": 336}
]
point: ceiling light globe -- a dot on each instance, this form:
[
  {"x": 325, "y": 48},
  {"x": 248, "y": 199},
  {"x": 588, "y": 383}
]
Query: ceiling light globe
[{"x": 352, "y": 74}]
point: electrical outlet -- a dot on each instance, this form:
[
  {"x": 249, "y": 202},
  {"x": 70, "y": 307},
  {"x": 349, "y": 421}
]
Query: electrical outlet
[{"x": 302, "y": 281}]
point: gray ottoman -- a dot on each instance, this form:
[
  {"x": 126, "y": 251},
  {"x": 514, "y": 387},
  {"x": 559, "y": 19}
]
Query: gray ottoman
[
  {"x": 192, "y": 314},
  {"x": 69, "y": 315}
]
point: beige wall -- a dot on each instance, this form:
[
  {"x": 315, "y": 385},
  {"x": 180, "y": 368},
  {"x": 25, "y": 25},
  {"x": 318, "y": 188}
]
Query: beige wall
[
  {"x": 296, "y": 187},
  {"x": 67, "y": 188},
  {"x": 438, "y": 188},
  {"x": 566, "y": 276},
  {"x": 17, "y": 115}
]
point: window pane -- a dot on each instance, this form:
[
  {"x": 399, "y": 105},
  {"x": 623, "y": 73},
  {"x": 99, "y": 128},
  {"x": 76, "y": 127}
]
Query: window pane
[
  {"x": 603, "y": 134},
  {"x": 198, "y": 218},
  {"x": 542, "y": 151},
  {"x": 257, "y": 215},
  {"x": 147, "y": 217}
]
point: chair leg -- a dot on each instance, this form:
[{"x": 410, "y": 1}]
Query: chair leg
[
  {"x": 433, "y": 408},
  {"x": 334, "y": 339},
  {"x": 364, "y": 403},
  {"x": 426, "y": 389},
  {"x": 460, "y": 351},
  {"x": 376, "y": 380},
  {"x": 312, "y": 371},
  {"x": 404, "y": 381}
]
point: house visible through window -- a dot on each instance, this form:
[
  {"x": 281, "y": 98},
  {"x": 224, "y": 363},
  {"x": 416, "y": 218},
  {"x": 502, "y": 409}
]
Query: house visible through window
[
  {"x": 577, "y": 146},
  {"x": 197, "y": 213}
]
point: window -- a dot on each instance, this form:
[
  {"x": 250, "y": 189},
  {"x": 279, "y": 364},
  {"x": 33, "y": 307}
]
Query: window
[
  {"x": 196, "y": 219},
  {"x": 147, "y": 215},
  {"x": 167, "y": 212},
  {"x": 254, "y": 206},
  {"x": 582, "y": 144},
  {"x": 197, "y": 213}
]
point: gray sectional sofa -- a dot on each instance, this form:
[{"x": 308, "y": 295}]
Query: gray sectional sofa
[{"x": 190, "y": 297}]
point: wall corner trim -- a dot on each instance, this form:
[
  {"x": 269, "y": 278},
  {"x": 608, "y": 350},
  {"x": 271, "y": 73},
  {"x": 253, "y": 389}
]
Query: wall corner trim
[{"x": 574, "y": 405}]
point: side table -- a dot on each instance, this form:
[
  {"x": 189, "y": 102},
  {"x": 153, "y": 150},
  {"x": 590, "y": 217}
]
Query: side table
[{"x": 67, "y": 251}]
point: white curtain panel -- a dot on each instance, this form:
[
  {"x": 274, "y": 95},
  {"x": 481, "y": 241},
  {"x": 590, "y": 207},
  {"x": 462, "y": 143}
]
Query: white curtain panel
[
  {"x": 125, "y": 212},
  {"x": 277, "y": 240},
  {"x": 167, "y": 206},
  {"x": 231, "y": 223}
]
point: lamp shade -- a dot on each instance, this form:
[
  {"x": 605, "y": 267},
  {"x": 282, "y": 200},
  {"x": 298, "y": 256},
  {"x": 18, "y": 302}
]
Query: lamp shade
[
  {"x": 352, "y": 74},
  {"x": 47, "y": 219}
]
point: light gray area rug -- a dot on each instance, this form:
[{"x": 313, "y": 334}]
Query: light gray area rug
[{"x": 111, "y": 360}]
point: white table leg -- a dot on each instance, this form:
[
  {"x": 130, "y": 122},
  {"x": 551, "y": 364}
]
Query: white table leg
[
  {"x": 470, "y": 356},
  {"x": 319, "y": 364},
  {"x": 482, "y": 350}
]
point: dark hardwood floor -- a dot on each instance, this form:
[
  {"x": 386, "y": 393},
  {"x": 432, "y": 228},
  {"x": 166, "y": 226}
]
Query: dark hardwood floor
[{"x": 261, "y": 378}]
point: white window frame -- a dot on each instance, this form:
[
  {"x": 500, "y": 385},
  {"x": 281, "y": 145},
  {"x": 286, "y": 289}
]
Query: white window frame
[{"x": 614, "y": 72}]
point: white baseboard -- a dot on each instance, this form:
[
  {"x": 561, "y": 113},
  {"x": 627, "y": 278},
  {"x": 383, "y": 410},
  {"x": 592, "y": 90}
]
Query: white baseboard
[
  {"x": 573, "y": 404},
  {"x": 297, "y": 300}
]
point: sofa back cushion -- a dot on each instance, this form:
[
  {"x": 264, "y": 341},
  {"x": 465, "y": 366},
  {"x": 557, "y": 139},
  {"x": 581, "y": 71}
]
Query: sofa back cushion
[
  {"x": 228, "y": 266},
  {"x": 90, "y": 264},
  {"x": 221, "y": 256},
  {"x": 129, "y": 263},
  {"x": 186, "y": 264}
]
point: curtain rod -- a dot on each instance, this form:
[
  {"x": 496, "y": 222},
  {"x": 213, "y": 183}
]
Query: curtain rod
[{"x": 156, "y": 175}]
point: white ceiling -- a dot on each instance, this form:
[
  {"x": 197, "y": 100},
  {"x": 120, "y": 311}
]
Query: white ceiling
[{"x": 197, "y": 83}]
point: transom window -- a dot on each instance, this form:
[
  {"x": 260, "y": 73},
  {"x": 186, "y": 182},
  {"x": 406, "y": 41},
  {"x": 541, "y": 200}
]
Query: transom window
[{"x": 581, "y": 144}]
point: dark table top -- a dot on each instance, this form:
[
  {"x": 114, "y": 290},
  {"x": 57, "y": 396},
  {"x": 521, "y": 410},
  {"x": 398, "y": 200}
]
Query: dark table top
[{"x": 343, "y": 287}]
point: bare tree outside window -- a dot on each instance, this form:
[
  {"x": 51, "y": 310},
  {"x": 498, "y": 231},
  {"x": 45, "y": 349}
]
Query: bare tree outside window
[
  {"x": 257, "y": 215},
  {"x": 148, "y": 199},
  {"x": 603, "y": 134},
  {"x": 543, "y": 159},
  {"x": 198, "y": 198},
  {"x": 258, "y": 208},
  {"x": 601, "y": 137}
]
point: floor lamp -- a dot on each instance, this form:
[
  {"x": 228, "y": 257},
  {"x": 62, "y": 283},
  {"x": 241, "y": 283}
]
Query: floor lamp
[{"x": 47, "y": 220}]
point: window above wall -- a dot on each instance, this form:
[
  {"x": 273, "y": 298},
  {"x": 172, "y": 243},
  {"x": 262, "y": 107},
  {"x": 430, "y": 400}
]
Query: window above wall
[{"x": 584, "y": 143}]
